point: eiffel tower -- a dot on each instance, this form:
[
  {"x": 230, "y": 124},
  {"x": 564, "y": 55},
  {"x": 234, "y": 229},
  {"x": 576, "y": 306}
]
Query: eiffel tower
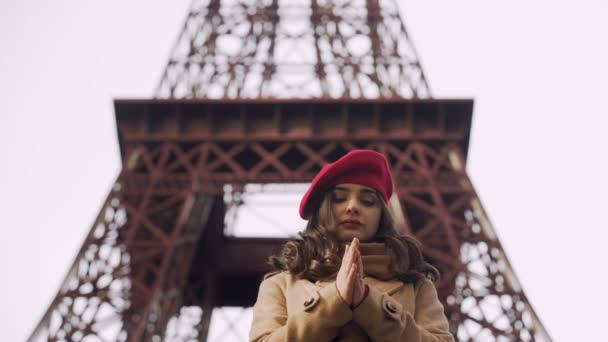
[{"x": 258, "y": 95}]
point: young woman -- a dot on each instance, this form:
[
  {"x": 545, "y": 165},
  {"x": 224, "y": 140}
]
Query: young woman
[{"x": 351, "y": 276}]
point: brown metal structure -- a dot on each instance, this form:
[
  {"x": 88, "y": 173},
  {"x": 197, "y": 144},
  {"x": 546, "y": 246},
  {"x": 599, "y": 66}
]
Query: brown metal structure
[
  {"x": 293, "y": 49},
  {"x": 156, "y": 261}
]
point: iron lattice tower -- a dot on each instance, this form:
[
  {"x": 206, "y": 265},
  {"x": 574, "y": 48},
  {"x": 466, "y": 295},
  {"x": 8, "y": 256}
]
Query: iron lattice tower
[
  {"x": 268, "y": 92},
  {"x": 296, "y": 48}
]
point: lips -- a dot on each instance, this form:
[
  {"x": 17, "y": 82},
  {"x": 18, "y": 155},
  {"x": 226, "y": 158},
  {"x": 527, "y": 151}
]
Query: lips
[{"x": 351, "y": 223}]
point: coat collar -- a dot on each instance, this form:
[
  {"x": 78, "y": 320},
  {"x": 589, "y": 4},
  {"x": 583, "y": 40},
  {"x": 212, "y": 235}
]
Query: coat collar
[
  {"x": 384, "y": 286},
  {"x": 388, "y": 286}
]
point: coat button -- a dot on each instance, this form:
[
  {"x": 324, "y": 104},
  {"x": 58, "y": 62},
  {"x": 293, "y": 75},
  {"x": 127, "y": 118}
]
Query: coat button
[
  {"x": 308, "y": 301},
  {"x": 390, "y": 307}
]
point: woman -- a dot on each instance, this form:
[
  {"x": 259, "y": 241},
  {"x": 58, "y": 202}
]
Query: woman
[{"x": 350, "y": 277}]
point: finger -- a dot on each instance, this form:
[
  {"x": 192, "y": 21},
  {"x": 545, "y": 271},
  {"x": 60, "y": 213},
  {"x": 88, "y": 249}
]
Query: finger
[
  {"x": 347, "y": 263},
  {"x": 356, "y": 243},
  {"x": 349, "y": 255},
  {"x": 355, "y": 247},
  {"x": 356, "y": 257},
  {"x": 360, "y": 264},
  {"x": 344, "y": 256},
  {"x": 350, "y": 285},
  {"x": 352, "y": 277}
]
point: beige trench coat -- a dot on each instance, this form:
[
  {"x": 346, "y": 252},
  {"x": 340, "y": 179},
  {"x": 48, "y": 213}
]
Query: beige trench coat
[{"x": 293, "y": 309}]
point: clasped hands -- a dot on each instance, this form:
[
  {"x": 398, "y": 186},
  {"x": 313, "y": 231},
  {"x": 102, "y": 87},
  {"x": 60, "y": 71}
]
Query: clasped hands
[{"x": 349, "y": 280}]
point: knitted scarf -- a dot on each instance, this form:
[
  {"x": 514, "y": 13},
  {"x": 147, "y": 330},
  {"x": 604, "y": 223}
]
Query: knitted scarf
[{"x": 376, "y": 261}]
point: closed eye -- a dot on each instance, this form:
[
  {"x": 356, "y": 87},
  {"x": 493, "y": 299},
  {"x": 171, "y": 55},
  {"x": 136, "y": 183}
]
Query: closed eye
[
  {"x": 369, "y": 203},
  {"x": 337, "y": 199}
]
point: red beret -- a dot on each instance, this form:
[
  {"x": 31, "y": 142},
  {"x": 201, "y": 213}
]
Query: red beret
[{"x": 363, "y": 167}]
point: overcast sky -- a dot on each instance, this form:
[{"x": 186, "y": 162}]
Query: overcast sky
[{"x": 536, "y": 69}]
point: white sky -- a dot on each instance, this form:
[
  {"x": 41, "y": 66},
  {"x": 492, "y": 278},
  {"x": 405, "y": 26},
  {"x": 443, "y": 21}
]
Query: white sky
[{"x": 536, "y": 69}]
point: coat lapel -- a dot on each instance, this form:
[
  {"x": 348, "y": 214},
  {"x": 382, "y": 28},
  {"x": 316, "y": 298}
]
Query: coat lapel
[{"x": 384, "y": 286}]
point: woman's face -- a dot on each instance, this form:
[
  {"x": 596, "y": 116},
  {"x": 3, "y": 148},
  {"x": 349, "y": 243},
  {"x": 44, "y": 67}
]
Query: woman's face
[{"x": 356, "y": 210}]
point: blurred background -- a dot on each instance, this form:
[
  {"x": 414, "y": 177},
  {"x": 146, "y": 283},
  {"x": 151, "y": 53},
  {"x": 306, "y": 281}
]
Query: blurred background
[{"x": 536, "y": 70}]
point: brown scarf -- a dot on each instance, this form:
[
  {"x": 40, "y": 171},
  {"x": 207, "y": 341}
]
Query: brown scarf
[{"x": 376, "y": 262}]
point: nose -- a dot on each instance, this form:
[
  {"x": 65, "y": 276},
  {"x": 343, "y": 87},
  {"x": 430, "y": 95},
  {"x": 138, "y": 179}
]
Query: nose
[{"x": 352, "y": 205}]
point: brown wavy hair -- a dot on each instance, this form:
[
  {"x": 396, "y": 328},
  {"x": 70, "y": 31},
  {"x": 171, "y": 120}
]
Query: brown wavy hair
[{"x": 316, "y": 253}]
